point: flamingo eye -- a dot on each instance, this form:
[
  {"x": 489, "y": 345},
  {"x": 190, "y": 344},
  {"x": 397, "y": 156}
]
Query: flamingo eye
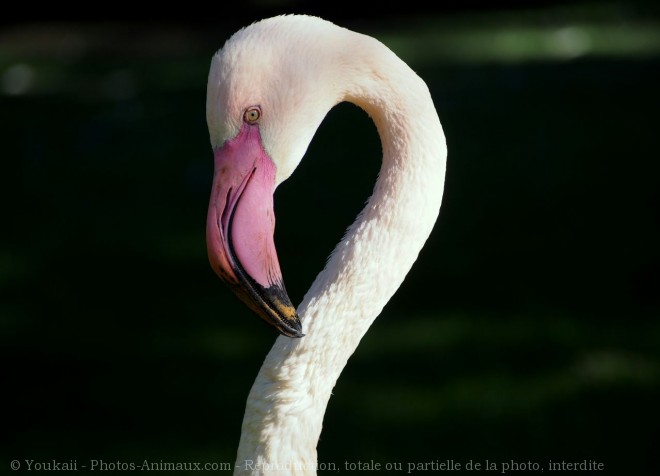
[{"x": 252, "y": 115}]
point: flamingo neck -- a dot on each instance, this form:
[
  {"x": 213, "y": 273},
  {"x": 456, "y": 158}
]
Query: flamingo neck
[{"x": 285, "y": 408}]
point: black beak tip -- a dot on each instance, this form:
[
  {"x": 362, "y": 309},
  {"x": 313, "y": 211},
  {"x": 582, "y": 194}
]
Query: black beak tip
[{"x": 292, "y": 328}]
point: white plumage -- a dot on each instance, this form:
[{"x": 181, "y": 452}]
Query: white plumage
[{"x": 296, "y": 68}]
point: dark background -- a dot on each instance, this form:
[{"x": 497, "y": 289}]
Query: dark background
[{"x": 528, "y": 330}]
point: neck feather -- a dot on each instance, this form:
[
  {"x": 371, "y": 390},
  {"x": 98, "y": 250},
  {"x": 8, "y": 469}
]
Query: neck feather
[{"x": 285, "y": 408}]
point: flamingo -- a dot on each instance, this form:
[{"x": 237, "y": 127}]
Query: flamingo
[{"x": 269, "y": 88}]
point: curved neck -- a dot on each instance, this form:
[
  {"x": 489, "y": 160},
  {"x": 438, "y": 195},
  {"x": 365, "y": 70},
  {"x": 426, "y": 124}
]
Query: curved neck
[{"x": 285, "y": 408}]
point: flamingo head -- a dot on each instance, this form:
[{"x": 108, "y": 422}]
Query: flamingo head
[{"x": 265, "y": 100}]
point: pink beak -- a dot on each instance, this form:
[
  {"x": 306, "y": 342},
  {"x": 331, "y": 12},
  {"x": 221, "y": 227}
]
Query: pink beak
[{"x": 240, "y": 226}]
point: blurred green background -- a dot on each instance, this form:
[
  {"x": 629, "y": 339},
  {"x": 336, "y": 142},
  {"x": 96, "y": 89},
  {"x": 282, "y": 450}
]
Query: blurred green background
[{"x": 528, "y": 330}]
